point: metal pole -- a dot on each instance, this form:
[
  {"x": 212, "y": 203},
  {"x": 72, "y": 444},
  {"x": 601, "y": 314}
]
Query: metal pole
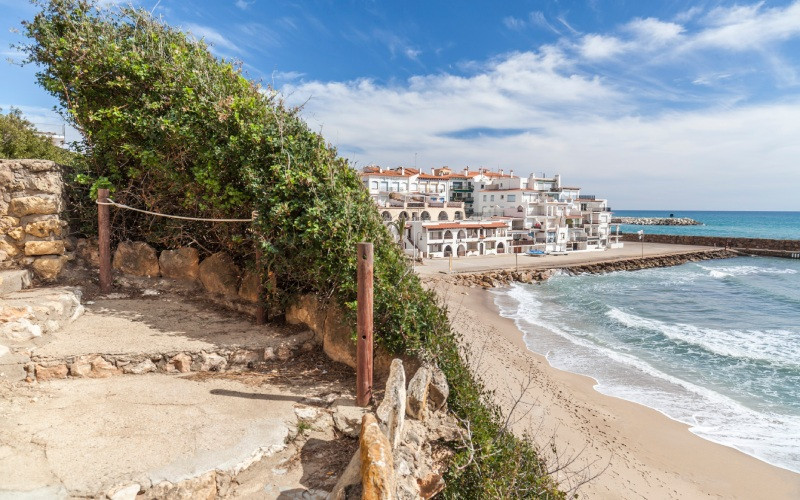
[
  {"x": 364, "y": 346},
  {"x": 104, "y": 240}
]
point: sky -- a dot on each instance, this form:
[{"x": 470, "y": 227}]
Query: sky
[{"x": 673, "y": 105}]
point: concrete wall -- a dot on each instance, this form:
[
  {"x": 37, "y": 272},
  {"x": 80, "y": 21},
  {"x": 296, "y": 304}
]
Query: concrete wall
[
  {"x": 32, "y": 234},
  {"x": 717, "y": 241}
]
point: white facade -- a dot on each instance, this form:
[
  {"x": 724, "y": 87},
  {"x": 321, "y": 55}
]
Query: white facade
[{"x": 459, "y": 239}]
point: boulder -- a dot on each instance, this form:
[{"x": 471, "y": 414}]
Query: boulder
[
  {"x": 47, "y": 268},
  {"x": 17, "y": 233},
  {"x": 347, "y": 419},
  {"x": 88, "y": 251},
  {"x": 136, "y": 258},
  {"x": 145, "y": 366},
  {"x": 438, "y": 391},
  {"x": 8, "y": 248},
  {"x": 377, "y": 465},
  {"x": 392, "y": 411},
  {"x": 182, "y": 362},
  {"x": 45, "y": 373},
  {"x": 33, "y": 205},
  {"x": 337, "y": 341},
  {"x": 307, "y": 310},
  {"x": 33, "y": 248},
  {"x": 183, "y": 263},
  {"x": 251, "y": 287},
  {"x": 417, "y": 404},
  {"x": 219, "y": 274},
  {"x": 210, "y": 362}
]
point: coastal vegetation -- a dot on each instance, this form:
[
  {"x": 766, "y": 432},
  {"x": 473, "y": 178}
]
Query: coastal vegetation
[
  {"x": 173, "y": 129},
  {"x": 19, "y": 139}
]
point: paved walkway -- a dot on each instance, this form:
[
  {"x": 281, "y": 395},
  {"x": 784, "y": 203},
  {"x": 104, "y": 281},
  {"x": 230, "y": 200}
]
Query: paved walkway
[{"x": 510, "y": 261}]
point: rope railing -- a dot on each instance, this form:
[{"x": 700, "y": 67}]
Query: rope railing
[{"x": 181, "y": 217}]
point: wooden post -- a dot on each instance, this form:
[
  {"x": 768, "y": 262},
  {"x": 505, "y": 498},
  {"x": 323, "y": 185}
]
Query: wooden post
[
  {"x": 364, "y": 346},
  {"x": 261, "y": 310},
  {"x": 104, "y": 240}
]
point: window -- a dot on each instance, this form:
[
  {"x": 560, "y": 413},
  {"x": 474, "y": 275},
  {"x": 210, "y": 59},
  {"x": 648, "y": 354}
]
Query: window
[
  {"x": 384, "y": 186},
  {"x": 404, "y": 186},
  {"x": 512, "y": 197},
  {"x": 502, "y": 196},
  {"x": 395, "y": 186},
  {"x": 414, "y": 186},
  {"x": 374, "y": 184},
  {"x": 491, "y": 197},
  {"x": 484, "y": 197}
]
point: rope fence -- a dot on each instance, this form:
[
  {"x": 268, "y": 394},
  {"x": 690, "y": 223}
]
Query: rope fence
[{"x": 112, "y": 203}]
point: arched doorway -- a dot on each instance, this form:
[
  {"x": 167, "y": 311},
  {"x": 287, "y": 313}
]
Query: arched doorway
[
  {"x": 480, "y": 248},
  {"x": 461, "y": 234},
  {"x": 462, "y": 251},
  {"x": 425, "y": 216},
  {"x": 448, "y": 251},
  {"x": 448, "y": 235},
  {"x": 443, "y": 215},
  {"x": 387, "y": 217},
  {"x": 501, "y": 248},
  {"x": 404, "y": 215}
]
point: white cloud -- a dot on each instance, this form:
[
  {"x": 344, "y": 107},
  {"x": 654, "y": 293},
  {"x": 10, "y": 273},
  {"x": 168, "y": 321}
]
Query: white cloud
[
  {"x": 748, "y": 27},
  {"x": 514, "y": 23},
  {"x": 213, "y": 37},
  {"x": 601, "y": 47},
  {"x": 243, "y": 4},
  {"x": 654, "y": 32}
]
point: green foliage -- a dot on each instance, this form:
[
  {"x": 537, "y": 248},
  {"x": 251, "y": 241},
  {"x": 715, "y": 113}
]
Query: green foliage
[
  {"x": 175, "y": 130},
  {"x": 19, "y": 139}
]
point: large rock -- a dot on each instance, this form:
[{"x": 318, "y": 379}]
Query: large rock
[
  {"x": 183, "y": 263},
  {"x": 392, "y": 411},
  {"x": 377, "y": 465},
  {"x": 33, "y": 248},
  {"x": 88, "y": 251},
  {"x": 251, "y": 287},
  {"x": 337, "y": 341},
  {"x": 307, "y": 310},
  {"x": 439, "y": 390},
  {"x": 219, "y": 274},
  {"x": 347, "y": 419},
  {"x": 136, "y": 258},
  {"x": 7, "y": 247},
  {"x": 33, "y": 205},
  {"x": 45, "y": 373},
  {"x": 417, "y": 403},
  {"x": 47, "y": 268}
]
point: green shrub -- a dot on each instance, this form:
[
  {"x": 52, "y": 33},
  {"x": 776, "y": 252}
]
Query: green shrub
[
  {"x": 176, "y": 130},
  {"x": 19, "y": 140}
]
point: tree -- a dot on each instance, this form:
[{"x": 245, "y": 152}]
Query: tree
[{"x": 19, "y": 139}]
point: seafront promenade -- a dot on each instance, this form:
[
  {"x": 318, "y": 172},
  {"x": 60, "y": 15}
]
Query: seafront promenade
[{"x": 631, "y": 250}]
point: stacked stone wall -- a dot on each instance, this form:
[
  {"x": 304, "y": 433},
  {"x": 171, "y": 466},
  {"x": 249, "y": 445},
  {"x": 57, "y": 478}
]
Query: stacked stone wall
[
  {"x": 32, "y": 233},
  {"x": 719, "y": 241}
]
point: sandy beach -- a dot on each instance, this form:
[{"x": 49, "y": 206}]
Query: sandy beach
[{"x": 634, "y": 451}]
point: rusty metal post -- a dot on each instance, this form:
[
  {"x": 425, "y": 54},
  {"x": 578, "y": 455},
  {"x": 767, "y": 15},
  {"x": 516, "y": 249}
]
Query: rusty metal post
[
  {"x": 261, "y": 310},
  {"x": 364, "y": 344},
  {"x": 104, "y": 240}
]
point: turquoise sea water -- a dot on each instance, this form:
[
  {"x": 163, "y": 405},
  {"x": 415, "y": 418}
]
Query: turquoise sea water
[
  {"x": 776, "y": 225},
  {"x": 714, "y": 344}
]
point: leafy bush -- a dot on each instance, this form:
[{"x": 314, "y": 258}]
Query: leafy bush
[
  {"x": 177, "y": 131},
  {"x": 19, "y": 139}
]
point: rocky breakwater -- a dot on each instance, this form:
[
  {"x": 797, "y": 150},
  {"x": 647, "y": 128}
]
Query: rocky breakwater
[
  {"x": 493, "y": 279},
  {"x": 656, "y": 221}
]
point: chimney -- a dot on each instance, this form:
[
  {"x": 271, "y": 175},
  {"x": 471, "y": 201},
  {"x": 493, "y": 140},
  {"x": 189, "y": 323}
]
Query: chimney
[
  {"x": 501, "y": 172},
  {"x": 511, "y": 173},
  {"x": 380, "y": 169},
  {"x": 402, "y": 171},
  {"x": 466, "y": 171}
]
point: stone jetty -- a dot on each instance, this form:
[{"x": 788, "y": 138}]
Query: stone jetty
[{"x": 656, "y": 221}]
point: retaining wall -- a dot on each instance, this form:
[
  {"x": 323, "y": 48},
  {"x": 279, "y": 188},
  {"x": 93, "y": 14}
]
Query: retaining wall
[{"x": 719, "y": 241}]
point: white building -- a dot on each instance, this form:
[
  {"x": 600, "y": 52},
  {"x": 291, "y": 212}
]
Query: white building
[{"x": 459, "y": 239}]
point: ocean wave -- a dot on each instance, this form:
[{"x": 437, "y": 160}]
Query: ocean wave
[
  {"x": 729, "y": 271},
  {"x": 777, "y": 347},
  {"x": 766, "y": 435}
]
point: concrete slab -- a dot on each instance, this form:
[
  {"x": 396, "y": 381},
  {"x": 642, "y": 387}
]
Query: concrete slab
[
  {"x": 14, "y": 280},
  {"x": 30, "y": 313},
  {"x": 87, "y": 436}
]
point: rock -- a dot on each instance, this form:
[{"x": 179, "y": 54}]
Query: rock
[
  {"x": 45, "y": 373},
  {"x": 183, "y": 263},
  {"x": 309, "y": 311},
  {"x": 337, "y": 341},
  {"x": 430, "y": 485},
  {"x": 44, "y": 248},
  {"x": 17, "y": 233},
  {"x": 124, "y": 492},
  {"x": 244, "y": 357},
  {"x": 439, "y": 390},
  {"x": 102, "y": 368},
  {"x": 145, "y": 366},
  {"x": 377, "y": 466},
  {"x": 8, "y": 248},
  {"x": 212, "y": 362},
  {"x": 347, "y": 419},
  {"x": 284, "y": 353},
  {"x": 201, "y": 488},
  {"x": 219, "y": 274},
  {"x": 182, "y": 362},
  {"x": 33, "y": 205},
  {"x": 44, "y": 228},
  {"x": 80, "y": 367},
  {"x": 48, "y": 268},
  {"x": 444, "y": 427},
  {"x": 136, "y": 258},
  {"x": 351, "y": 476},
  {"x": 251, "y": 287},
  {"x": 392, "y": 411},
  {"x": 269, "y": 354},
  {"x": 306, "y": 413},
  {"x": 88, "y": 251},
  {"x": 417, "y": 403}
]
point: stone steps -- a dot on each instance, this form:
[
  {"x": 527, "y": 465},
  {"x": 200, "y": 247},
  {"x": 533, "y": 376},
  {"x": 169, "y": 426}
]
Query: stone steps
[
  {"x": 26, "y": 314},
  {"x": 14, "y": 280}
]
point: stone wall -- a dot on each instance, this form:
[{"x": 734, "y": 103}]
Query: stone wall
[
  {"x": 718, "y": 241},
  {"x": 32, "y": 234}
]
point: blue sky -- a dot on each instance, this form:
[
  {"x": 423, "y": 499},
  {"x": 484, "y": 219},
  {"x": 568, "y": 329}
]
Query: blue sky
[{"x": 664, "y": 105}]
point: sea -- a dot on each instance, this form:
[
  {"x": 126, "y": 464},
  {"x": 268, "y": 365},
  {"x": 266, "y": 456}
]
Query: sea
[
  {"x": 774, "y": 225},
  {"x": 712, "y": 344}
]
